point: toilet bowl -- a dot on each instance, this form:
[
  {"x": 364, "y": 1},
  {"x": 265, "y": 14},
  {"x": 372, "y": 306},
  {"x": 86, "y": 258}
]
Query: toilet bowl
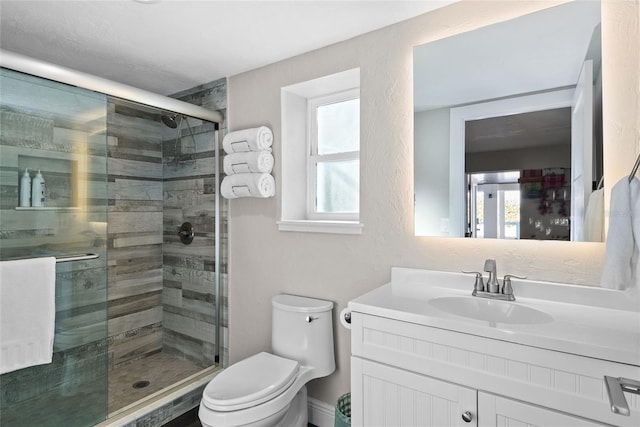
[{"x": 268, "y": 389}]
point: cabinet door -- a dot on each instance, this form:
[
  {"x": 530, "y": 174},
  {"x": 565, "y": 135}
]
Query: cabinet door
[
  {"x": 496, "y": 411},
  {"x": 385, "y": 396}
]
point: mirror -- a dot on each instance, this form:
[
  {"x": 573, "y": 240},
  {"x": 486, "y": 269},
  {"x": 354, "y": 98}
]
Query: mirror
[{"x": 508, "y": 128}]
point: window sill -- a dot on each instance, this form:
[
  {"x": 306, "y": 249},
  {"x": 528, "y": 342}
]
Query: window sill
[{"x": 321, "y": 226}]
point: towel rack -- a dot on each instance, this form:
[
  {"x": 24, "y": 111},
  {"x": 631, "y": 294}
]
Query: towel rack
[
  {"x": 635, "y": 169},
  {"x": 65, "y": 258},
  {"x": 76, "y": 257}
]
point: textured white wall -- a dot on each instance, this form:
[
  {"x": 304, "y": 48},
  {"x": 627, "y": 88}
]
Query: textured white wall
[{"x": 264, "y": 261}]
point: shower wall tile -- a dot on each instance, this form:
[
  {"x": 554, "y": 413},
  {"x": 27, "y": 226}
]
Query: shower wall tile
[
  {"x": 135, "y": 189},
  {"x": 134, "y": 205},
  {"x": 134, "y": 232},
  {"x": 212, "y": 95},
  {"x": 134, "y": 344},
  {"x": 187, "y": 347},
  {"x": 146, "y": 317},
  {"x": 121, "y": 222},
  {"x": 25, "y": 130},
  {"x": 124, "y": 241},
  {"x": 189, "y": 195},
  {"x": 134, "y": 168},
  {"x": 134, "y": 304},
  {"x": 78, "y": 374},
  {"x": 187, "y": 324}
]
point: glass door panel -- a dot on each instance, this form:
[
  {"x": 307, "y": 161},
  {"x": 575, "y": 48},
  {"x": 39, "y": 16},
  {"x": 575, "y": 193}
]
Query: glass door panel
[{"x": 57, "y": 132}]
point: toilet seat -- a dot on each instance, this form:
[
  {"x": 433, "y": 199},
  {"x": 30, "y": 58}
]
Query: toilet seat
[{"x": 250, "y": 382}]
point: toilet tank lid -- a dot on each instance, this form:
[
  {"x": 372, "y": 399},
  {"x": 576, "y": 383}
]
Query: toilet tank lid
[{"x": 300, "y": 304}]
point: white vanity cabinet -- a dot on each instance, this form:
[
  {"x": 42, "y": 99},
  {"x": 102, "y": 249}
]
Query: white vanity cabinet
[
  {"x": 388, "y": 396},
  {"x": 408, "y": 374},
  {"x": 502, "y": 412}
]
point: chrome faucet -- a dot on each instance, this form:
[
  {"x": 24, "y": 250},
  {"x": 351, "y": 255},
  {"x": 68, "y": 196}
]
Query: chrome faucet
[
  {"x": 492, "y": 283},
  {"x": 492, "y": 289}
]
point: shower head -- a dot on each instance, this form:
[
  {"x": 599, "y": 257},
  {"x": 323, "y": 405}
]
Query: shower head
[
  {"x": 176, "y": 121},
  {"x": 170, "y": 120}
]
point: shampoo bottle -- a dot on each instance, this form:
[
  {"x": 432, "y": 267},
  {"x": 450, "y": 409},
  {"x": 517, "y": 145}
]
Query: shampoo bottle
[
  {"x": 25, "y": 189},
  {"x": 37, "y": 190}
]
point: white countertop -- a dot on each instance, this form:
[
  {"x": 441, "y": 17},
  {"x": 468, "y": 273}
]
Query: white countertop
[{"x": 587, "y": 321}]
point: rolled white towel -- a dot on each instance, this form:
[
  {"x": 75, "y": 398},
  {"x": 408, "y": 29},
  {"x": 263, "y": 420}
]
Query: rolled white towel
[
  {"x": 254, "y": 139},
  {"x": 248, "y": 185},
  {"x": 253, "y": 161}
]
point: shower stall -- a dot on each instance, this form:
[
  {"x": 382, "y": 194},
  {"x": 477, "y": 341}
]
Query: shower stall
[{"x": 131, "y": 189}]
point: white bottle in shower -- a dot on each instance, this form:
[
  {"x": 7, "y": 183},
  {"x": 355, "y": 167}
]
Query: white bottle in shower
[
  {"x": 37, "y": 190},
  {"x": 25, "y": 189}
]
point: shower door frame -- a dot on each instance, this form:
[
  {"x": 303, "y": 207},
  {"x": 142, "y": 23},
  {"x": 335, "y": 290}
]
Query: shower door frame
[
  {"x": 72, "y": 77},
  {"x": 62, "y": 74}
]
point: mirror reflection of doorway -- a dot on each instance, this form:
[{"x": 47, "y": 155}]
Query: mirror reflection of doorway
[
  {"x": 520, "y": 204},
  {"x": 494, "y": 205}
]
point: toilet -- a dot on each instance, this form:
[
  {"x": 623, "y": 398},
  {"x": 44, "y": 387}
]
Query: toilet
[{"x": 269, "y": 389}]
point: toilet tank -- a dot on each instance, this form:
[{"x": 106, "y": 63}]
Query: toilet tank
[{"x": 302, "y": 330}]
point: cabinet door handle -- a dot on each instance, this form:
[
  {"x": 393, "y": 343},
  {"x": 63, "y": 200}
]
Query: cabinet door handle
[
  {"x": 467, "y": 416},
  {"x": 615, "y": 389}
]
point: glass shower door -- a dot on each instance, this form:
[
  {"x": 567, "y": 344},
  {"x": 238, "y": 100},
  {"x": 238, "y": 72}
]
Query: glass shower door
[{"x": 60, "y": 132}]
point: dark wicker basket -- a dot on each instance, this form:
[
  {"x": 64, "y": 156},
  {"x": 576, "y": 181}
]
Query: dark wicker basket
[{"x": 343, "y": 411}]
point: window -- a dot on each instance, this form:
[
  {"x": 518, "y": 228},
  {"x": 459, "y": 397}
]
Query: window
[
  {"x": 320, "y": 155},
  {"x": 333, "y": 167}
]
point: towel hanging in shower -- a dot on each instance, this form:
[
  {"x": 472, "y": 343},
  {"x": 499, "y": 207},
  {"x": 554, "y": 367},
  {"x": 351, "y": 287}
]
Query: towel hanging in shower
[{"x": 27, "y": 312}]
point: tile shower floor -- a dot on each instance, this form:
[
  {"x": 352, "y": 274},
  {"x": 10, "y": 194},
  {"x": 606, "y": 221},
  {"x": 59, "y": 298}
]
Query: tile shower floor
[{"x": 160, "y": 370}]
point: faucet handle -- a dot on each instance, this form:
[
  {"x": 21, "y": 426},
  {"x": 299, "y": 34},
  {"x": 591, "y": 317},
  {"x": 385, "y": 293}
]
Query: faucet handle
[
  {"x": 479, "y": 285},
  {"x": 506, "y": 283}
]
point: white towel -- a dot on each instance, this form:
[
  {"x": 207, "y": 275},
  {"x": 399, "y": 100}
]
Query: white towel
[
  {"x": 621, "y": 259},
  {"x": 254, "y": 139},
  {"x": 594, "y": 217},
  {"x": 248, "y": 185},
  {"x": 27, "y": 312},
  {"x": 253, "y": 161},
  {"x": 635, "y": 226}
]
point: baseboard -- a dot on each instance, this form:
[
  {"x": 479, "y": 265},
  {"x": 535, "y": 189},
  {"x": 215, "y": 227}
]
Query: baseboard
[{"x": 320, "y": 414}]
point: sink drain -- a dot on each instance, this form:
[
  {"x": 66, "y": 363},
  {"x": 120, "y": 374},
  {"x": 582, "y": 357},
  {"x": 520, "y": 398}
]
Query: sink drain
[{"x": 140, "y": 384}]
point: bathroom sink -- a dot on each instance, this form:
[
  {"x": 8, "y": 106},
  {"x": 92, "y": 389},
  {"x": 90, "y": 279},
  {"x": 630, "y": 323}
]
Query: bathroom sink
[{"x": 493, "y": 311}]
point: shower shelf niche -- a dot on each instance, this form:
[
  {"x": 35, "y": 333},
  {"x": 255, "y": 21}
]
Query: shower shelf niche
[{"x": 60, "y": 176}]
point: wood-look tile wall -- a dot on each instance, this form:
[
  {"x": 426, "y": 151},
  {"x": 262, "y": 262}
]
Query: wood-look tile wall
[
  {"x": 162, "y": 292},
  {"x": 189, "y": 270},
  {"x": 134, "y": 231}
]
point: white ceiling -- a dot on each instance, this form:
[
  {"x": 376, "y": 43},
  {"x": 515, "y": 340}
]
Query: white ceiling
[
  {"x": 534, "y": 129},
  {"x": 165, "y": 46}
]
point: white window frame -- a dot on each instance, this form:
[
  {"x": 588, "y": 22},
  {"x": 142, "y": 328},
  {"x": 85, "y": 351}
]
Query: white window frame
[
  {"x": 314, "y": 158},
  {"x": 294, "y": 154}
]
